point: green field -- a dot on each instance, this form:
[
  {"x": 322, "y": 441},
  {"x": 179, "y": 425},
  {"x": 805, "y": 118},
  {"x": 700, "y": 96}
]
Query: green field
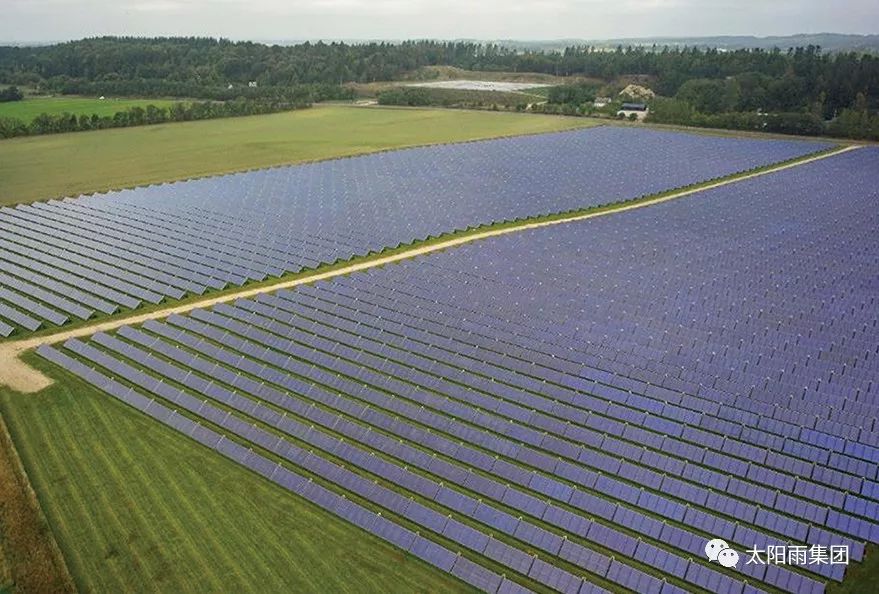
[
  {"x": 132, "y": 502},
  {"x": 28, "y": 109},
  {"x": 41, "y": 167}
]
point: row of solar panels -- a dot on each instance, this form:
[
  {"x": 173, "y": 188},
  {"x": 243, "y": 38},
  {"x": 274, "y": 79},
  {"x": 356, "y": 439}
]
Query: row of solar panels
[
  {"x": 73, "y": 257},
  {"x": 850, "y": 408},
  {"x": 623, "y": 414},
  {"x": 833, "y": 468},
  {"x": 744, "y": 374},
  {"x": 622, "y": 544},
  {"x": 425, "y": 549},
  {"x": 696, "y": 473}
]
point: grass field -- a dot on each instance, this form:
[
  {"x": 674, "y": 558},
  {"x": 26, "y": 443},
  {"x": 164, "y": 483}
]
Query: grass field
[
  {"x": 43, "y": 167},
  {"x": 133, "y": 502},
  {"x": 28, "y": 109}
]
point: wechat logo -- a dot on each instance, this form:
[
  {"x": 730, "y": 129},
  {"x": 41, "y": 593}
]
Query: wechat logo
[{"x": 718, "y": 550}]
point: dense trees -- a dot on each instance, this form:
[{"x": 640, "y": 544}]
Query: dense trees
[
  {"x": 408, "y": 96},
  {"x": 139, "y": 116},
  {"x": 10, "y": 94},
  {"x": 842, "y": 88},
  {"x": 462, "y": 98},
  {"x": 576, "y": 94},
  {"x": 773, "y": 80}
]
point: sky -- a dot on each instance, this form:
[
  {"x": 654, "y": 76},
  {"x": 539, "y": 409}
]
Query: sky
[{"x": 56, "y": 20}]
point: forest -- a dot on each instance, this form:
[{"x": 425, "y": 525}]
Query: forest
[{"x": 698, "y": 85}]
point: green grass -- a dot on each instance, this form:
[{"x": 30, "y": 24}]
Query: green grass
[
  {"x": 41, "y": 167},
  {"x": 28, "y": 109},
  {"x": 134, "y": 504},
  {"x": 860, "y": 577}
]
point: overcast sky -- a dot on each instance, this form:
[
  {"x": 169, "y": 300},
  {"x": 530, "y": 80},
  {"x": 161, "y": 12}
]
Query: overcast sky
[{"x": 44, "y": 20}]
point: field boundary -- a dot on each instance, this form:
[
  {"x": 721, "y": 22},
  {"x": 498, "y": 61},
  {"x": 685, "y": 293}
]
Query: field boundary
[
  {"x": 644, "y": 124},
  {"x": 36, "y": 563},
  {"x": 21, "y": 377}
]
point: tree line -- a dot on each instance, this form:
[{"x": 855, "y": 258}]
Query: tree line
[
  {"x": 723, "y": 87},
  {"x": 769, "y": 79},
  {"x": 47, "y": 123},
  {"x": 10, "y": 94},
  {"x": 463, "y": 98}
]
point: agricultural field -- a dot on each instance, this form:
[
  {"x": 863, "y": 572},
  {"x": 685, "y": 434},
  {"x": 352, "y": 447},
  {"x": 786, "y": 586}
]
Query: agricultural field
[
  {"x": 539, "y": 411},
  {"x": 29, "y": 108},
  {"x": 77, "y": 259},
  {"x": 36, "y": 168}
]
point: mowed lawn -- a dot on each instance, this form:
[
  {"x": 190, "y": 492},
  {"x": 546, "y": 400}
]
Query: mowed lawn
[
  {"x": 28, "y": 109},
  {"x": 41, "y": 167},
  {"x": 135, "y": 505}
]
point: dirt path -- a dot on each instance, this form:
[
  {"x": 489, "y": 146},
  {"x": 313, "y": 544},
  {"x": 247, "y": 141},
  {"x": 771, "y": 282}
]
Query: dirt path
[{"x": 23, "y": 378}]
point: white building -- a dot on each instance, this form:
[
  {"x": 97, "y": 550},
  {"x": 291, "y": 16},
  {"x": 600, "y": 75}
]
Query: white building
[{"x": 639, "y": 109}]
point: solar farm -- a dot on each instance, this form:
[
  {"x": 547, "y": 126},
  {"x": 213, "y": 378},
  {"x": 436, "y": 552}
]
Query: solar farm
[
  {"x": 578, "y": 406},
  {"x": 78, "y": 258}
]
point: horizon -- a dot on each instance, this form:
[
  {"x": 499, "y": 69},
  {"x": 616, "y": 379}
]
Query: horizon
[
  {"x": 363, "y": 40},
  {"x": 45, "y": 21}
]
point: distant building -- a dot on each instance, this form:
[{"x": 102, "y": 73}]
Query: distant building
[
  {"x": 601, "y": 101},
  {"x": 639, "y": 109},
  {"x": 637, "y": 93},
  {"x": 252, "y": 84}
]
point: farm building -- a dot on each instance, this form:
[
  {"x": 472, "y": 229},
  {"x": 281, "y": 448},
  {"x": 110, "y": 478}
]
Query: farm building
[{"x": 639, "y": 109}]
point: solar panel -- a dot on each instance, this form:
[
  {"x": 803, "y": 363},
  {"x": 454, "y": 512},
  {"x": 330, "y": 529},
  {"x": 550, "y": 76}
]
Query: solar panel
[
  {"x": 496, "y": 518},
  {"x": 465, "y": 535},
  {"x": 435, "y": 554},
  {"x": 477, "y": 576},
  {"x": 14, "y": 315},
  {"x": 32, "y": 307},
  {"x": 555, "y": 578},
  {"x": 46, "y": 297},
  {"x": 5, "y": 329},
  {"x": 509, "y": 587}
]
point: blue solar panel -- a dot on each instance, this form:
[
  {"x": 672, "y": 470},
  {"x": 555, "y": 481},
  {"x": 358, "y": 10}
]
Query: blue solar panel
[
  {"x": 32, "y": 307},
  {"x": 6, "y": 329},
  {"x": 433, "y": 553},
  {"x": 48, "y": 297},
  {"x": 477, "y": 576},
  {"x": 183, "y": 237},
  {"x": 22, "y": 319},
  {"x": 465, "y": 535},
  {"x": 557, "y": 579}
]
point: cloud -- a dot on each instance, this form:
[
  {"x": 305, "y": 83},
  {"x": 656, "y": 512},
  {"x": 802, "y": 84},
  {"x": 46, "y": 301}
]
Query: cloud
[{"x": 399, "y": 19}]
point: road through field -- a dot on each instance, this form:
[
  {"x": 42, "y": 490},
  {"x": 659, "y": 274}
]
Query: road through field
[{"x": 23, "y": 378}]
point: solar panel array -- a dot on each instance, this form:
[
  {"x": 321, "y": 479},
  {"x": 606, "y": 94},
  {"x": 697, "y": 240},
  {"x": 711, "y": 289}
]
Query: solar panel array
[
  {"x": 580, "y": 407},
  {"x": 68, "y": 259}
]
